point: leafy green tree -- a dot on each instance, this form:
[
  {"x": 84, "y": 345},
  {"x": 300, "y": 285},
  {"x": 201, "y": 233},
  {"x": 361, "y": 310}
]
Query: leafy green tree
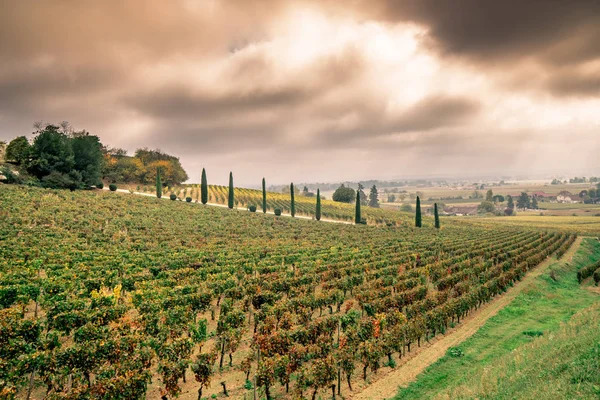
[
  {"x": 264, "y": 196},
  {"x": 230, "y": 197},
  {"x": 357, "y": 217},
  {"x": 486, "y": 207},
  {"x": 204, "y": 188},
  {"x": 418, "y": 221},
  {"x": 87, "y": 151},
  {"x": 523, "y": 202},
  {"x": 293, "y": 203},
  {"x": 373, "y": 198},
  {"x": 51, "y": 151},
  {"x": 344, "y": 194},
  {"x": 318, "y": 212},
  {"x": 489, "y": 196},
  {"x": 534, "y": 203},
  {"x": 18, "y": 150},
  {"x": 158, "y": 184},
  {"x": 510, "y": 204},
  {"x": 436, "y": 216},
  {"x": 498, "y": 198}
]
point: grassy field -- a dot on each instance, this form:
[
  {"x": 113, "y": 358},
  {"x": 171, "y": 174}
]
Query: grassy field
[{"x": 544, "y": 345}]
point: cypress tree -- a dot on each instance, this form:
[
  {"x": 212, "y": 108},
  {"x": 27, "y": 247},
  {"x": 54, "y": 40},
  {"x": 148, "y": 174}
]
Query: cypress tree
[
  {"x": 230, "y": 201},
  {"x": 264, "y": 203},
  {"x": 293, "y": 205},
  {"x": 318, "y": 213},
  {"x": 418, "y": 222},
  {"x": 436, "y": 216},
  {"x": 158, "y": 184},
  {"x": 357, "y": 218},
  {"x": 204, "y": 188}
]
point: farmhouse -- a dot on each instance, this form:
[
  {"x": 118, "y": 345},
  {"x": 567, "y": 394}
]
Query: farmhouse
[
  {"x": 566, "y": 197},
  {"x": 461, "y": 210}
]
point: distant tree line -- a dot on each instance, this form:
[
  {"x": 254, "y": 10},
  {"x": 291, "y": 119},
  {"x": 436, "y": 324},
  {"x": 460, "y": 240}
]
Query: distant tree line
[
  {"x": 118, "y": 167},
  {"x": 344, "y": 194}
]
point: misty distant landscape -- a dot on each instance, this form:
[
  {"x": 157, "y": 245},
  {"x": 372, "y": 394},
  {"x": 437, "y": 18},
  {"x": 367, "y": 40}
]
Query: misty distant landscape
[{"x": 299, "y": 199}]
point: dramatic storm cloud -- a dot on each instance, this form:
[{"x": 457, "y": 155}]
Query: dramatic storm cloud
[{"x": 314, "y": 90}]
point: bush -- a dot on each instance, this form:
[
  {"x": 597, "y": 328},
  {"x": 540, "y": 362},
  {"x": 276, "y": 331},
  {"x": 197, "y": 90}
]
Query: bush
[
  {"x": 406, "y": 208},
  {"x": 533, "y": 333},
  {"x": 173, "y": 196},
  {"x": 100, "y": 185},
  {"x": 252, "y": 208},
  {"x": 59, "y": 180},
  {"x": 112, "y": 187},
  {"x": 10, "y": 176},
  {"x": 455, "y": 352},
  {"x": 277, "y": 211},
  {"x": 587, "y": 271},
  {"x": 188, "y": 199},
  {"x": 344, "y": 194}
]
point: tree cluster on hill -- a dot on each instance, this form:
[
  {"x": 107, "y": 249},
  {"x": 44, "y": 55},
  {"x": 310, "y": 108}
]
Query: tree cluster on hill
[
  {"x": 374, "y": 197},
  {"x": 58, "y": 157},
  {"x": 142, "y": 167}
]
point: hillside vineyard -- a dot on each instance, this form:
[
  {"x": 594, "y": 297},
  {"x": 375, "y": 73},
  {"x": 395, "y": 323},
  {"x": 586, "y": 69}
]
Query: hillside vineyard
[
  {"x": 304, "y": 205},
  {"x": 108, "y": 295}
]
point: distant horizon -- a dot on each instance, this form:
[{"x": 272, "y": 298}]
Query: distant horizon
[{"x": 506, "y": 175}]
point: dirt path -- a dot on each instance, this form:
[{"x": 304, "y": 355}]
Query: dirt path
[
  {"x": 334, "y": 221},
  {"x": 386, "y": 386}
]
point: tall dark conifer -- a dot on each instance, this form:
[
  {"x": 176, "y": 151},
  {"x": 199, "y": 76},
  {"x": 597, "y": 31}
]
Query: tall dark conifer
[
  {"x": 293, "y": 203},
  {"x": 264, "y": 199},
  {"x": 357, "y": 217},
  {"x": 318, "y": 213},
  {"x": 204, "y": 188},
  {"x": 158, "y": 184},
  {"x": 436, "y": 216},
  {"x": 418, "y": 221},
  {"x": 230, "y": 200}
]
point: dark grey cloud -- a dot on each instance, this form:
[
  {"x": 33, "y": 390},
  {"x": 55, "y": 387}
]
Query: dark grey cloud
[
  {"x": 249, "y": 84},
  {"x": 428, "y": 114},
  {"x": 574, "y": 83},
  {"x": 499, "y": 31},
  {"x": 554, "y": 33}
]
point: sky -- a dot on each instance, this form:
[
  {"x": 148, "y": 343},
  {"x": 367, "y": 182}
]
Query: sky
[{"x": 314, "y": 90}]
